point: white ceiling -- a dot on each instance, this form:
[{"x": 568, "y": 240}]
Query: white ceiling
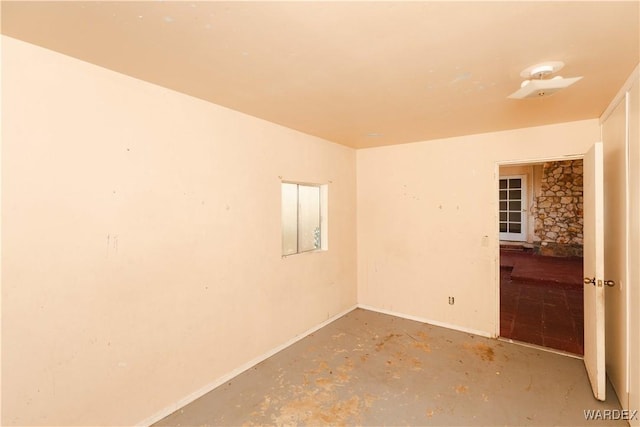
[{"x": 357, "y": 73}]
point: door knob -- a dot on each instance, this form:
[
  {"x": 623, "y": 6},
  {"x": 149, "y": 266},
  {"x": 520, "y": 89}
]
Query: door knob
[{"x": 609, "y": 283}]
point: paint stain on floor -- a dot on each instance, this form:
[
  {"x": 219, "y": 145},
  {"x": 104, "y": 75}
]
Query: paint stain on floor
[
  {"x": 462, "y": 389},
  {"x": 380, "y": 345},
  {"x": 482, "y": 350},
  {"x": 318, "y": 408},
  {"x": 422, "y": 346}
]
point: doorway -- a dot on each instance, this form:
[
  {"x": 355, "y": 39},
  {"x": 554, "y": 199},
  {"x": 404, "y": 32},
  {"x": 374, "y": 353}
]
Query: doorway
[{"x": 540, "y": 224}]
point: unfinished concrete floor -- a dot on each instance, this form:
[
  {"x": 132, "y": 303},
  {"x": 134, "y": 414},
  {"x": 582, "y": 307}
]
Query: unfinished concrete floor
[{"x": 368, "y": 368}]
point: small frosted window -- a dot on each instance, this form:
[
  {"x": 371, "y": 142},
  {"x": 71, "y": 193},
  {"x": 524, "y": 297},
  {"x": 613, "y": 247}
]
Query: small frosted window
[{"x": 301, "y": 218}]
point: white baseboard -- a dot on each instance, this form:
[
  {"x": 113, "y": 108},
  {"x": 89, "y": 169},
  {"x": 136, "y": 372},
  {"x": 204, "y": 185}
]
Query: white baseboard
[
  {"x": 429, "y": 321},
  {"x": 225, "y": 378},
  {"x": 541, "y": 348}
]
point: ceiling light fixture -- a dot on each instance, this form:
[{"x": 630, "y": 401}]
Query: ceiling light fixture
[{"x": 537, "y": 84}]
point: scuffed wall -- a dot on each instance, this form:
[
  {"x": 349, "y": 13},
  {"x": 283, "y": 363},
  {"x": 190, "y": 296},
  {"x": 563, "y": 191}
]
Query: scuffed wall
[
  {"x": 142, "y": 242},
  {"x": 428, "y": 220}
]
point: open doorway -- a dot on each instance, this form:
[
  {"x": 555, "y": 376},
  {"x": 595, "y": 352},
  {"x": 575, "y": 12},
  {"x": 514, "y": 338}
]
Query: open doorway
[{"x": 541, "y": 239}]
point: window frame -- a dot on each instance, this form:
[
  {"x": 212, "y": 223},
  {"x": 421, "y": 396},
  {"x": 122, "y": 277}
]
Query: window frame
[{"x": 322, "y": 218}]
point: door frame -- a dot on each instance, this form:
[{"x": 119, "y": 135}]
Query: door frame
[{"x": 496, "y": 216}]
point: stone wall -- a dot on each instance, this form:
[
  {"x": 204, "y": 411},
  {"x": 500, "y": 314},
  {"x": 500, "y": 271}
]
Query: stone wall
[{"x": 558, "y": 211}]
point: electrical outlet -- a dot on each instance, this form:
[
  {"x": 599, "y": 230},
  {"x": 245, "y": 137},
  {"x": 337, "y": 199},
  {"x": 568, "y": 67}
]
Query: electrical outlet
[{"x": 452, "y": 300}]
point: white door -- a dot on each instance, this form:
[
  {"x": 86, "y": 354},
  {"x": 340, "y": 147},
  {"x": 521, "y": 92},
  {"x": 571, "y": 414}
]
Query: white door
[
  {"x": 512, "y": 204},
  {"x": 593, "y": 206}
]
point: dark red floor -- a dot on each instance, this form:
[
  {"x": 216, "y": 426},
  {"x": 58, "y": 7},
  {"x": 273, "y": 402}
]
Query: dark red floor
[{"x": 541, "y": 301}]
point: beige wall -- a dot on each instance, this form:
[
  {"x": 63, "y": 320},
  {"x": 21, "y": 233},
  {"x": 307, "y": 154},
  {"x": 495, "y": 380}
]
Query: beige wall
[
  {"x": 427, "y": 230},
  {"x": 142, "y": 239}
]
